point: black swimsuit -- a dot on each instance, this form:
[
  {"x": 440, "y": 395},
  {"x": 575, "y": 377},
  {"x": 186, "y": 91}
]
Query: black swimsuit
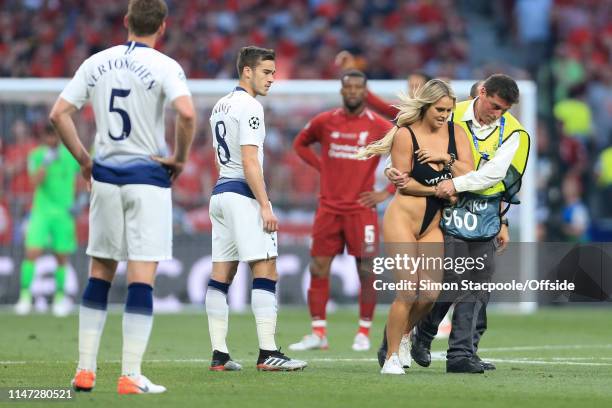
[{"x": 428, "y": 176}]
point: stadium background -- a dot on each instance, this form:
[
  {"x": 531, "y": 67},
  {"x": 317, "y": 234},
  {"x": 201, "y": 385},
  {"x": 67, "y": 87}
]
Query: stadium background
[{"x": 564, "y": 46}]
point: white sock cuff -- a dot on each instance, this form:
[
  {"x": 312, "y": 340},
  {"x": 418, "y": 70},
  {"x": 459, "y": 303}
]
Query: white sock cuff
[
  {"x": 319, "y": 323},
  {"x": 365, "y": 323}
]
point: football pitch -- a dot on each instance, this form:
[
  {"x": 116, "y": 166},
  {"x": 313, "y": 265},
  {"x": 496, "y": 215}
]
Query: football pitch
[{"x": 557, "y": 357}]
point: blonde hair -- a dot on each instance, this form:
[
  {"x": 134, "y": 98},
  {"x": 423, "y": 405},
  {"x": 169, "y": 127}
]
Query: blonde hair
[{"x": 411, "y": 109}]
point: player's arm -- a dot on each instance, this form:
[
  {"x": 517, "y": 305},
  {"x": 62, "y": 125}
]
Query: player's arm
[
  {"x": 302, "y": 142},
  {"x": 381, "y": 106},
  {"x": 371, "y": 198},
  {"x": 255, "y": 180},
  {"x": 183, "y": 135},
  {"x": 61, "y": 119},
  {"x": 465, "y": 160}
]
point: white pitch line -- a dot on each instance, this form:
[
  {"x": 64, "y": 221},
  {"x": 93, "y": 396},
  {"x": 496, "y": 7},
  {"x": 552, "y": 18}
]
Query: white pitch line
[
  {"x": 556, "y": 361},
  {"x": 536, "y": 362},
  {"x": 436, "y": 356},
  {"x": 547, "y": 347}
]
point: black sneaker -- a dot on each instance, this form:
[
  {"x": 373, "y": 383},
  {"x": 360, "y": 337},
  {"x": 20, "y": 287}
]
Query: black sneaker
[
  {"x": 382, "y": 350},
  {"x": 419, "y": 350},
  {"x": 223, "y": 362},
  {"x": 486, "y": 365},
  {"x": 274, "y": 360},
  {"x": 464, "y": 365}
]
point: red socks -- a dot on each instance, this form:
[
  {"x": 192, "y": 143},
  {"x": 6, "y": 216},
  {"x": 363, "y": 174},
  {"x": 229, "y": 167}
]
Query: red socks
[{"x": 367, "y": 304}]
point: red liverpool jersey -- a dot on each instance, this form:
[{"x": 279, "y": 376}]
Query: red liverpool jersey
[{"x": 341, "y": 135}]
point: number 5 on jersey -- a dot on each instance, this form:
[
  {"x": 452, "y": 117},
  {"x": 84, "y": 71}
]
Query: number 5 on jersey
[{"x": 126, "y": 127}]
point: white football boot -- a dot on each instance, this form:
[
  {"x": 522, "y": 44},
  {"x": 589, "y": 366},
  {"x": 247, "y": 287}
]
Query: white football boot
[
  {"x": 62, "y": 307},
  {"x": 310, "y": 342},
  {"x": 23, "y": 305},
  {"x": 138, "y": 385},
  {"x": 361, "y": 342}
]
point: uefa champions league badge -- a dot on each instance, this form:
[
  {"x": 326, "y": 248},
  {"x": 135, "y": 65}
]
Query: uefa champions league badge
[{"x": 254, "y": 122}]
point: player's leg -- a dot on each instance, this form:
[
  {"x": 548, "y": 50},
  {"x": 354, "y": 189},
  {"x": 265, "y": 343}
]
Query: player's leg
[
  {"x": 148, "y": 233},
  {"x": 263, "y": 301},
  {"x": 137, "y": 325},
  {"x": 225, "y": 265},
  {"x": 24, "y": 304},
  {"x": 327, "y": 241},
  {"x": 265, "y": 310},
  {"x": 106, "y": 245},
  {"x": 92, "y": 317},
  {"x": 36, "y": 240},
  {"x": 399, "y": 240},
  {"x": 361, "y": 231},
  {"x": 217, "y": 311},
  {"x": 317, "y": 296},
  {"x": 61, "y": 304},
  {"x": 63, "y": 243},
  {"x": 259, "y": 249}
]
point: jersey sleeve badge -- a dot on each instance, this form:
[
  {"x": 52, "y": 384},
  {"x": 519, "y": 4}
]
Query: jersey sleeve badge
[{"x": 254, "y": 122}]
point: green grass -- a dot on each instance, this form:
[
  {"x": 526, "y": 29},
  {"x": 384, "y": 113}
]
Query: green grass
[{"x": 178, "y": 353}]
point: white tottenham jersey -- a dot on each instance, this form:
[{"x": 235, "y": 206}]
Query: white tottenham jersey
[
  {"x": 129, "y": 86},
  {"x": 236, "y": 120}
]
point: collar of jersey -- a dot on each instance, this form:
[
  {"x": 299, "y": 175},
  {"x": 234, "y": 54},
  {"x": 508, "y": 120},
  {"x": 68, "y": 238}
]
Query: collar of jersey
[
  {"x": 239, "y": 88},
  {"x": 136, "y": 44}
]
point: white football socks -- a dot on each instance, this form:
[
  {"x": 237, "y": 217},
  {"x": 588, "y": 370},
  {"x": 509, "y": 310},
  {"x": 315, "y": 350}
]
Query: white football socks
[
  {"x": 263, "y": 303},
  {"x": 91, "y": 325},
  {"x": 136, "y": 333},
  {"x": 217, "y": 311}
]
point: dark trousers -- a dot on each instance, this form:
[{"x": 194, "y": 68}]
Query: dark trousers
[{"x": 469, "y": 320}]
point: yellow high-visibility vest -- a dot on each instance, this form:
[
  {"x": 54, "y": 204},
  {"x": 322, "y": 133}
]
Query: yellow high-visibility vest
[{"x": 511, "y": 184}]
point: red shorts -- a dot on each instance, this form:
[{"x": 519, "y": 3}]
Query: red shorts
[{"x": 358, "y": 231}]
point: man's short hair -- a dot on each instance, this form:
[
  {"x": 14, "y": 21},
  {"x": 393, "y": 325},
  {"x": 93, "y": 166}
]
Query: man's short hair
[
  {"x": 503, "y": 86},
  {"x": 251, "y": 56},
  {"x": 353, "y": 73},
  {"x": 146, "y": 16},
  {"x": 474, "y": 89}
]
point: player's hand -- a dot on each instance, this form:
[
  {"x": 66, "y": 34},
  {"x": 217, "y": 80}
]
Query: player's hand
[
  {"x": 369, "y": 199},
  {"x": 427, "y": 156},
  {"x": 445, "y": 189},
  {"x": 270, "y": 222},
  {"x": 86, "y": 173},
  {"x": 345, "y": 60},
  {"x": 502, "y": 239},
  {"x": 172, "y": 164},
  {"x": 396, "y": 177}
]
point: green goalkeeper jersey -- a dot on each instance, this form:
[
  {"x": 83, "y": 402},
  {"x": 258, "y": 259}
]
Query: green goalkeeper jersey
[{"x": 56, "y": 191}]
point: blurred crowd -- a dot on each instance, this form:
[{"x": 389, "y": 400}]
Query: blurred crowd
[{"x": 563, "y": 45}]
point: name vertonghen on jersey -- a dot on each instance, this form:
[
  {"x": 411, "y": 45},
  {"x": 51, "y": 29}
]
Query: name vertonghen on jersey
[{"x": 125, "y": 63}]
